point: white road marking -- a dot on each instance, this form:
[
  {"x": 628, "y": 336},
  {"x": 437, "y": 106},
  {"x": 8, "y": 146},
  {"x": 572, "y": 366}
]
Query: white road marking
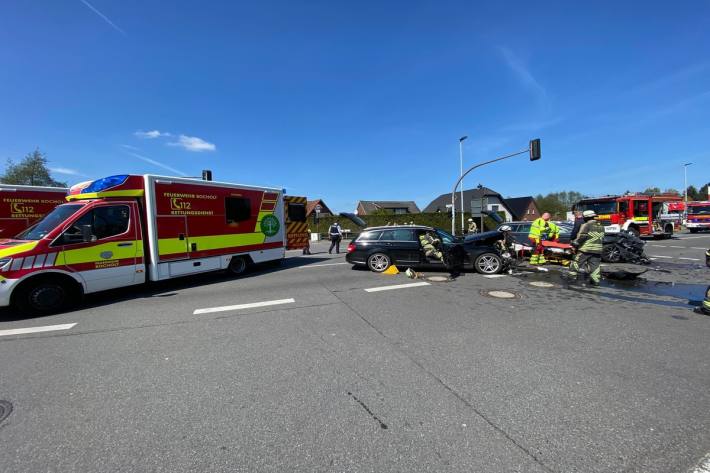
[
  {"x": 492, "y": 276},
  {"x": 659, "y": 256},
  {"x": 697, "y": 248},
  {"x": 45, "y": 328},
  {"x": 691, "y": 259},
  {"x": 318, "y": 265},
  {"x": 658, "y": 246},
  {"x": 692, "y": 238},
  {"x": 397, "y": 286},
  {"x": 703, "y": 465},
  {"x": 225, "y": 308},
  {"x": 671, "y": 246}
]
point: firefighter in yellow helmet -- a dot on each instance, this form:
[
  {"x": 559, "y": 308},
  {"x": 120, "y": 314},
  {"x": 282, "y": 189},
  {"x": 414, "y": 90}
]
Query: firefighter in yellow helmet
[
  {"x": 588, "y": 244},
  {"x": 542, "y": 229}
]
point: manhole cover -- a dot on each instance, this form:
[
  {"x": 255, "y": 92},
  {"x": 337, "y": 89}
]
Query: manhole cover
[
  {"x": 5, "y": 410},
  {"x": 542, "y": 284},
  {"x": 438, "y": 279},
  {"x": 498, "y": 294}
]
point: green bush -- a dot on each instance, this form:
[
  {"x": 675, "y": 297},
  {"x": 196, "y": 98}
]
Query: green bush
[{"x": 438, "y": 220}]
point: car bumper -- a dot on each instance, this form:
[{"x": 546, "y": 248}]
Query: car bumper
[
  {"x": 6, "y": 288},
  {"x": 354, "y": 258}
]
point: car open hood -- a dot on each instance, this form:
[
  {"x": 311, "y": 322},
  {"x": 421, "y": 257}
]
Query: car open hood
[{"x": 354, "y": 218}]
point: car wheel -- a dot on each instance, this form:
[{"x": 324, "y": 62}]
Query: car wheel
[
  {"x": 611, "y": 254},
  {"x": 634, "y": 232},
  {"x": 488, "y": 263},
  {"x": 693, "y": 230},
  {"x": 378, "y": 262}
]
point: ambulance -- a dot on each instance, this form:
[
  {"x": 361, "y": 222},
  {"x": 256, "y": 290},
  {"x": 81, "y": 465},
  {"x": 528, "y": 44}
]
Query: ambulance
[
  {"x": 129, "y": 229},
  {"x": 297, "y": 236},
  {"x": 22, "y": 206}
]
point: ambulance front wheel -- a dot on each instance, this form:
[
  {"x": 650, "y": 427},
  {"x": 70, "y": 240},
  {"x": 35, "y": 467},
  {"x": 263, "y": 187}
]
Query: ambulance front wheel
[{"x": 42, "y": 296}]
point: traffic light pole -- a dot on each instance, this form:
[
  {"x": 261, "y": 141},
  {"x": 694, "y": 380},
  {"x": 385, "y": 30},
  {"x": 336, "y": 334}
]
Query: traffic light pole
[{"x": 534, "y": 148}]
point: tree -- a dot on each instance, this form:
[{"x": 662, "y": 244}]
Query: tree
[
  {"x": 652, "y": 190},
  {"x": 692, "y": 193},
  {"x": 31, "y": 171},
  {"x": 670, "y": 190},
  {"x": 703, "y": 193}
]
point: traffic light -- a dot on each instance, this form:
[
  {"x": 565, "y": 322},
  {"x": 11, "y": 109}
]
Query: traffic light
[
  {"x": 207, "y": 174},
  {"x": 535, "y": 149}
]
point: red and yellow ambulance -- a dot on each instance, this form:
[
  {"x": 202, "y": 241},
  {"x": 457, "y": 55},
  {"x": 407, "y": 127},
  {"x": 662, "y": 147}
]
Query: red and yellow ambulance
[
  {"x": 22, "y": 206},
  {"x": 128, "y": 229}
]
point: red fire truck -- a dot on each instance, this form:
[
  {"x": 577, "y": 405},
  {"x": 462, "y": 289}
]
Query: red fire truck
[
  {"x": 698, "y": 216},
  {"x": 22, "y": 206},
  {"x": 128, "y": 229},
  {"x": 651, "y": 215}
]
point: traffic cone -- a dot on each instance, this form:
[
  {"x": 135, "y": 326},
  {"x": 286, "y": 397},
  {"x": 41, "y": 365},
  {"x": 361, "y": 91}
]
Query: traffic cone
[{"x": 392, "y": 270}]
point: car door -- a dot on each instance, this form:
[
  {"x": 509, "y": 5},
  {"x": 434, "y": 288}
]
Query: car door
[
  {"x": 400, "y": 245},
  {"x": 113, "y": 256}
]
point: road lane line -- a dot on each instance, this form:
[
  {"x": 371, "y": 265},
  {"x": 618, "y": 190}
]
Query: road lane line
[
  {"x": 397, "y": 286},
  {"x": 659, "y": 256},
  {"x": 693, "y": 238},
  {"x": 671, "y": 246},
  {"x": 45, "y": 328},
  {"x": 658, "y": 246},
  {"x": 697, "y": 248},
  {"x": 691, "y": 259},
  {"x": 251, "y": 305},
  {"x": 318, "y": 265}
]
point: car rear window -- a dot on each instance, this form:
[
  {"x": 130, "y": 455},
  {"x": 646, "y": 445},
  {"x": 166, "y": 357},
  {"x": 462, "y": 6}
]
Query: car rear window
[
  {"x": 399, "y": 234},
  {"x": 369, "y": 236}
]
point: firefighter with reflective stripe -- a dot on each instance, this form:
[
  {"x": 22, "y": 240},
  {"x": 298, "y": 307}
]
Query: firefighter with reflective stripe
[
  {"x": 429, "y": 242},
  {"x": 705, "y": 306},
  {"x": 542, "y": 229},
  {"x": 588, "y": 244}
]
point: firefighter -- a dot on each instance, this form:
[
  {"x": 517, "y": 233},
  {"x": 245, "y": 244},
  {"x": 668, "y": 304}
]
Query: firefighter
[
  {"x": 472, "y": 227},
  {"x": 588, "y": 246},
  {"x": 542, "y": 229},
  {"x": 429, "y": 242},
  {"x": 307, "y": 248},
  {"x": 336, "y": 234},
  {"x": 705, "y": 306}
]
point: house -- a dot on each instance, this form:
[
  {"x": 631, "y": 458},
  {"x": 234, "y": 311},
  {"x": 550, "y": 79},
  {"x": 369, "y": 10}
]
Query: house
[
  {"x": 523, "y": 208},
  {"x": 397, "y": 207},
  {"x": 311, "y": 208},
  {"x": 494, "y": 202}
]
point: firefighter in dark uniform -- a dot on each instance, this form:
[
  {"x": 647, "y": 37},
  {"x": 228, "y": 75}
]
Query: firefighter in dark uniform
[{"x": 588, "y": 244}]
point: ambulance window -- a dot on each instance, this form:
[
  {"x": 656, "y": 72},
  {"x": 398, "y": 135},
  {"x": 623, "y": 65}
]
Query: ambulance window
[
  {"x": 237, "y": 209},
  {"x": 110, "y": 221},
  {"x": 297, "y": 212}
]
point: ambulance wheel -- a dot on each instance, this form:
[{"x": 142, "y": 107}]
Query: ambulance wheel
[
  {"x": 378, "y": 262},
  {"x": 43, "y": 296},
  {"x": 237, "y": 266}
]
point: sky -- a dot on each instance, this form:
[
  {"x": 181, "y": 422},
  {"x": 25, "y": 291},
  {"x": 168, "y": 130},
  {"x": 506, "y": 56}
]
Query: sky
[{"x": 366, "y": 100}]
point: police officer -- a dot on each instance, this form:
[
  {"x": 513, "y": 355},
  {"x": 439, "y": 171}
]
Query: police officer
[
  {"x": 336, "y": 234},
  {"x": 588, "y": 245}
]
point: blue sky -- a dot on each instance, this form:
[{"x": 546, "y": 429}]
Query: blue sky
[{"x": 361, "y": 100}]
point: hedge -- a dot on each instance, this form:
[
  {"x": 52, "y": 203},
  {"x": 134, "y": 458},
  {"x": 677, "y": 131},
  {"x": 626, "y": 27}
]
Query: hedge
[{"x": 439, "y": 220}]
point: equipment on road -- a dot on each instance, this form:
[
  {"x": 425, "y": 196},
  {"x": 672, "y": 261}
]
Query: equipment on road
[
  {"x": 22, "y": 206},
  {"x": 653, "y": 215},
  {"x": 128, "y": 229}
]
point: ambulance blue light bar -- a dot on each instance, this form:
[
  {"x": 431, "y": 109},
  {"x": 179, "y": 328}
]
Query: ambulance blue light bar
[{"x": 105, "y": 183}]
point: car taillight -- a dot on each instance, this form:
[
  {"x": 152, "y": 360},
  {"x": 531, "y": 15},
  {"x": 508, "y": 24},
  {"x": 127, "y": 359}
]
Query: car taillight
[{"x": 351, "y": 247}]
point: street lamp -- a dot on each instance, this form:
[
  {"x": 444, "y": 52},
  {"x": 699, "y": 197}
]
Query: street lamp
[
  {"x": 685, "y": 189},
  {"x": 463, "y": 207},
  {"x": 533, "y": 150}
]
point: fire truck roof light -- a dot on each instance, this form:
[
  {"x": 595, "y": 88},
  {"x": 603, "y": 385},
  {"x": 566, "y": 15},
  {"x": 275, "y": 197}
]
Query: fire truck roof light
[{"x": 104, "y": 184}]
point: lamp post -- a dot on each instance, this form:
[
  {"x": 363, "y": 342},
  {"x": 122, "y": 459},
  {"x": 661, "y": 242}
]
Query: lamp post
[
  {"x": 685, "y": 189},
  {"x": 533, "y": 149},
  {"x": 463, "y": 207}
]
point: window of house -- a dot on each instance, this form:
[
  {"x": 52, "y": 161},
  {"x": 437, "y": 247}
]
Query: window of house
[
  {"x": 297, "y": 212},
  {"x": 400, "y": 210},
  {"x": 495, "y": 208},
  {"x": 237, "y": 209}
]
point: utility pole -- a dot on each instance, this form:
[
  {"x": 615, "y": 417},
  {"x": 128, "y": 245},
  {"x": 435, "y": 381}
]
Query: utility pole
[
  {"x": 685, "y": 189},
  {"x": 463, "y": 207}
]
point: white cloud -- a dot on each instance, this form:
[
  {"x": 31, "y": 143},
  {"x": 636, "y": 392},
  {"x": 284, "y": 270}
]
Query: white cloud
[
  {"x": 103, "y": 17},
  {"x": 150, "y": 134},
  {"x": 67, "y": 171},
  {"x": 193, "y": 143},
  {"x": 523, "y": 74},
  {"x": 156, "y": 163}
]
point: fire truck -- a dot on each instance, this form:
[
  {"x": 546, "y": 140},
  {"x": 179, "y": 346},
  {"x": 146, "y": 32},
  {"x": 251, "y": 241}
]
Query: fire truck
[
  {"x": 22, "y": 206},
  {"x": 648, "y": 215},
  {"x": 129, "y": 229},
  {"x": 698, "y": 216}
]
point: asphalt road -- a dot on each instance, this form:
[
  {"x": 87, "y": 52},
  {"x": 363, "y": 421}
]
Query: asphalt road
[{"x": 333, "y": 377}]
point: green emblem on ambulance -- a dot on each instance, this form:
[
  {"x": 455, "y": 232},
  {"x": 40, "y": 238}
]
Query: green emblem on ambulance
[{"x": 269, "y": 225}]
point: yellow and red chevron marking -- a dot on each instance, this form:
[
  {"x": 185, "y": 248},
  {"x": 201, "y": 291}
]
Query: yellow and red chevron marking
[{"x": 296, "y": 232}]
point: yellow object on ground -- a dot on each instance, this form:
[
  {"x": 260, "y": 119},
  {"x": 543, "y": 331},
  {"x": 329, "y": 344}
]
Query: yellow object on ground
[{"x": 391, "y": 270}]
